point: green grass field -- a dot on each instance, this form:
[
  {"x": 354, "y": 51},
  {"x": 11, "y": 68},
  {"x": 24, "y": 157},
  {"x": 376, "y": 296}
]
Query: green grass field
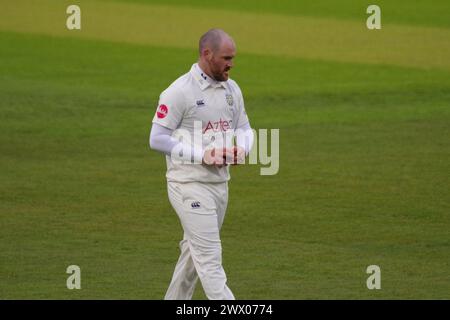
[{"x": 364, "y": 119}]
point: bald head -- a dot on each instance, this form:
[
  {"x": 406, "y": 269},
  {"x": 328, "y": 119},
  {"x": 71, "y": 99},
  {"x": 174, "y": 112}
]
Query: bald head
[
  {"x": 216, "y": 50},
  {"x": 213, "y": 39}
]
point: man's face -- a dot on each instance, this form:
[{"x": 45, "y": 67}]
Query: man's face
[{"x": 221, "y": 61}]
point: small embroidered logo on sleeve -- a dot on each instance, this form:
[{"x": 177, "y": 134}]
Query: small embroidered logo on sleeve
[{"x": 162, "y": 112}]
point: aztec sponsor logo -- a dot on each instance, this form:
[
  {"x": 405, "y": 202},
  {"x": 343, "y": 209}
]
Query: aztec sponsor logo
[{"x": 216, "y": 126}]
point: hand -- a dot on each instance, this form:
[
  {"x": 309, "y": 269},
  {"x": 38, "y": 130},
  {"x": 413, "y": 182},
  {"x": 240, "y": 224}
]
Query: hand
[
  {"x": 217, "y": 156},
  {"x": 237, "y": 156},
  {"x": 223, "y": 156}
]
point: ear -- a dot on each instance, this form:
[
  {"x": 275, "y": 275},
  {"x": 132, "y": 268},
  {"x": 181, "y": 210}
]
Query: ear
[{"x": 208, "y": 54}]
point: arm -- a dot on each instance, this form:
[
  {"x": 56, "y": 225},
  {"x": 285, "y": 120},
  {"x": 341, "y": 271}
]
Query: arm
[
  {"x": 161, "y": 140},
  {"x": 244, "y": 137},
  {"x": 168, "y": 116},
  {"x": 244, "y": 142},
  {"x": 244, "y": 133}
]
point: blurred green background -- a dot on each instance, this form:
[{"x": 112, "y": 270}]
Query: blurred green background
[{"x": 364, "y": 119}]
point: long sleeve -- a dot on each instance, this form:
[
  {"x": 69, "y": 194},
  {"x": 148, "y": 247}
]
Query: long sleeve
[
  {"x": 161, "y": 140},
  {"x": 244, "y": 137}
]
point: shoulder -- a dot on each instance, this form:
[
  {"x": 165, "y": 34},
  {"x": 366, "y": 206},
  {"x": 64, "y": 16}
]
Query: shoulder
[
  {"x": 179, "y": 88},
  {"x": 234, "y": 86}
]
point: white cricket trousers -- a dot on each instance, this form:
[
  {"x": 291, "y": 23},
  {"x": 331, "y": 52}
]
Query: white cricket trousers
[{"x": 201, "y": 209}]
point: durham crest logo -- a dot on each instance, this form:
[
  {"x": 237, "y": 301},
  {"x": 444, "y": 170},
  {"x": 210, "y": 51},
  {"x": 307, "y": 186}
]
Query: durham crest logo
[{"x": 229, "y": 98}]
